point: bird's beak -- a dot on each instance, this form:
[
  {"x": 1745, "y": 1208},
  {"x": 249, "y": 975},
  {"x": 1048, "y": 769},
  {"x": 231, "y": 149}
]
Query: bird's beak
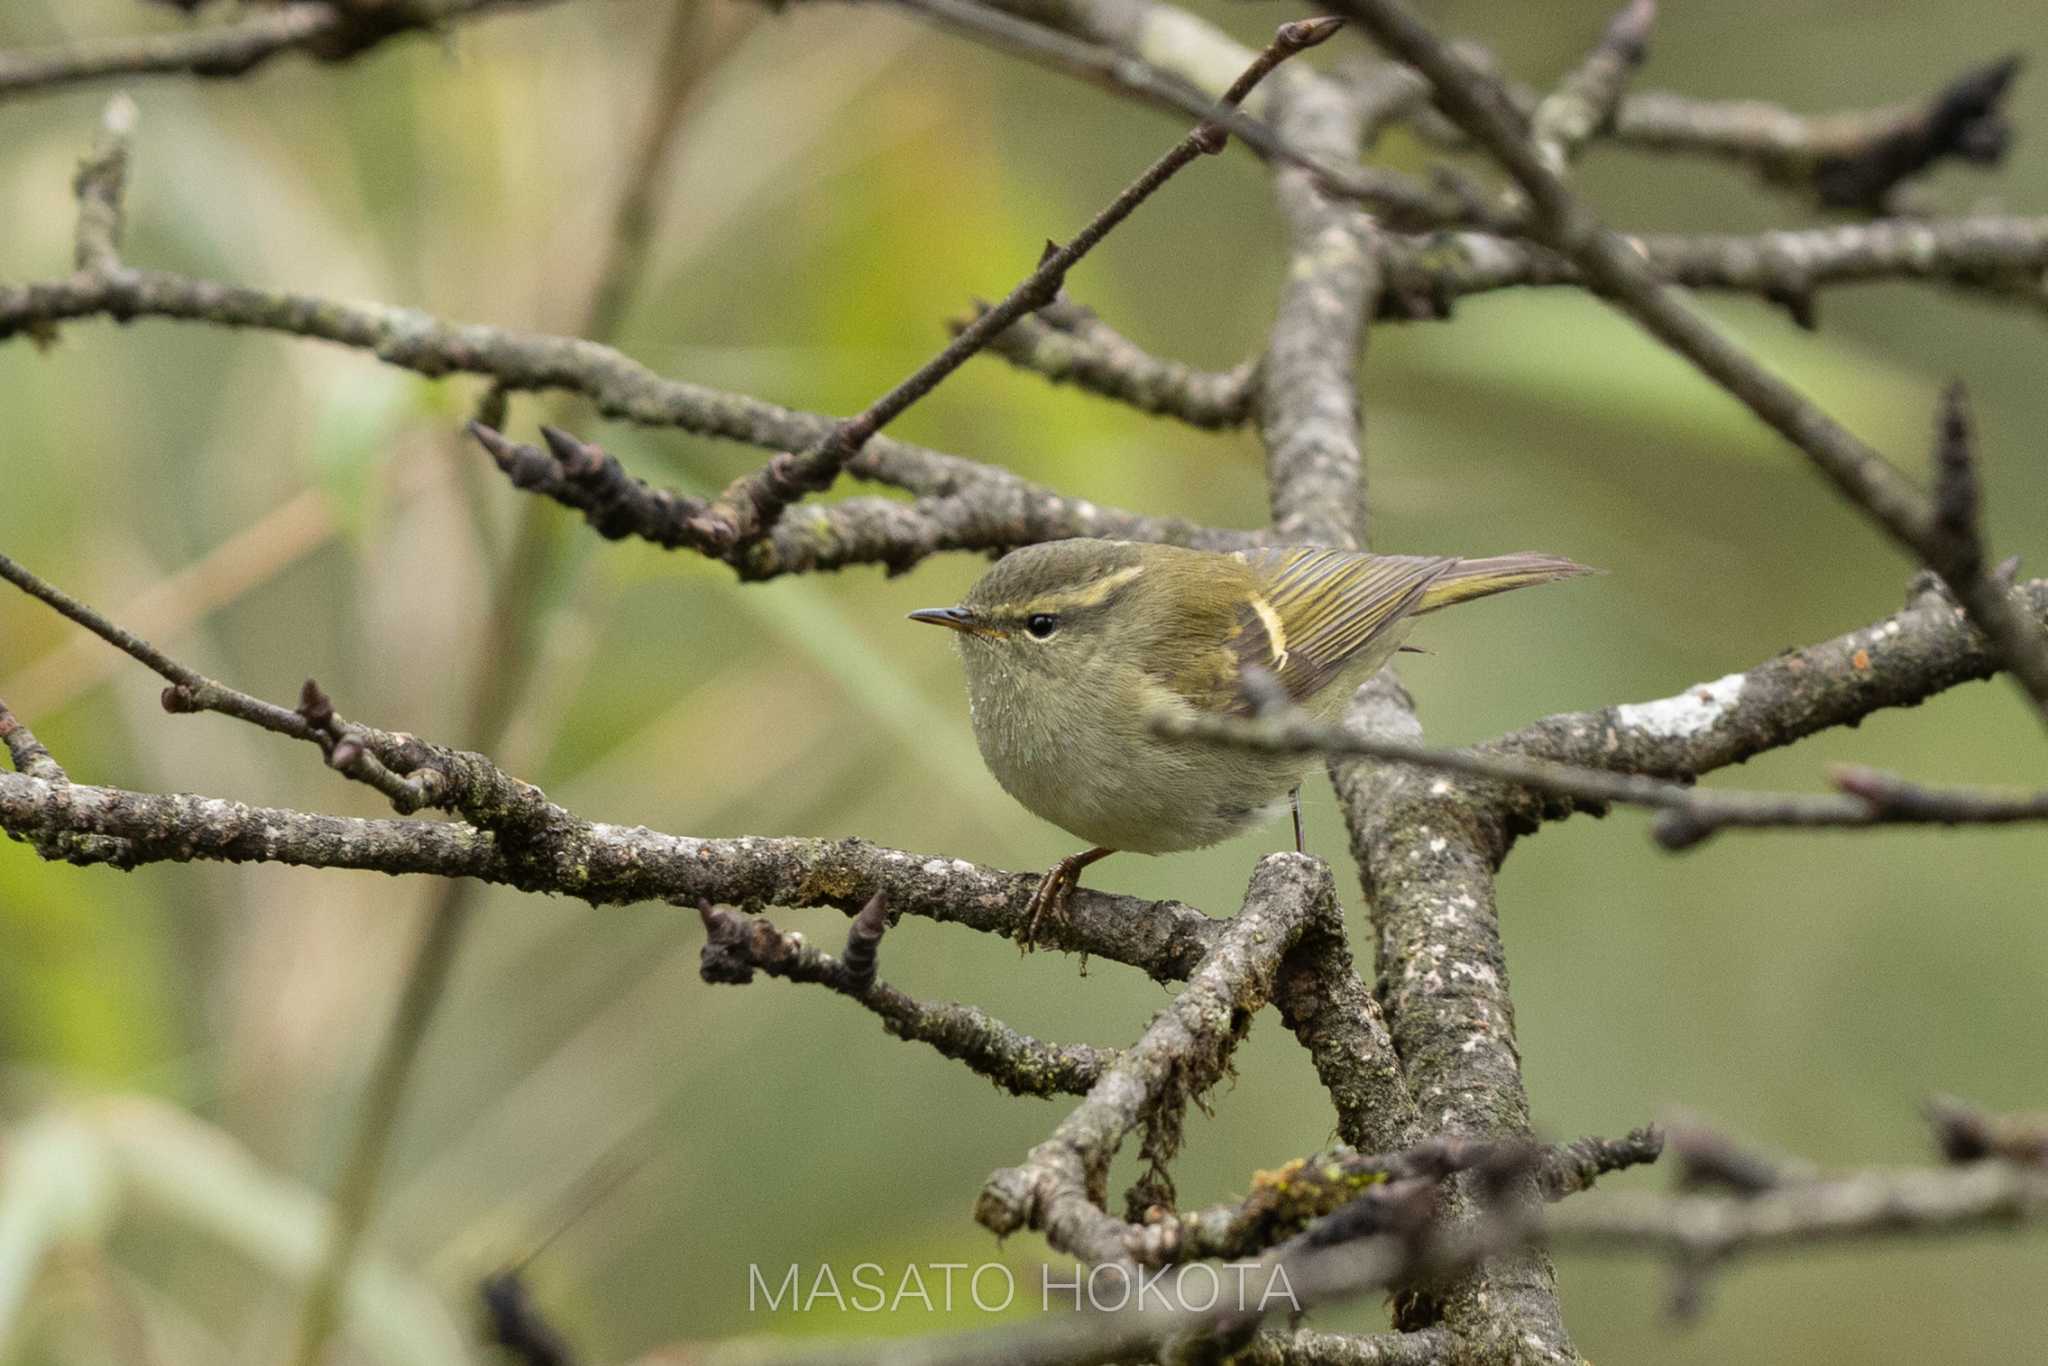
[{"x": 959, "y": 618}]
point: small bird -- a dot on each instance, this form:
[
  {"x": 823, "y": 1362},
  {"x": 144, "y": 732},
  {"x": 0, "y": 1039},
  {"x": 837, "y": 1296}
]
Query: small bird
[{"x": 1072, "y": 646}]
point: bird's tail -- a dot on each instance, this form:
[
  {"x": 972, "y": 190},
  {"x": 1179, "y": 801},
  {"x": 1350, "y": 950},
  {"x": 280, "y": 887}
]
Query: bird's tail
[{"x": 1495, "y": 574}]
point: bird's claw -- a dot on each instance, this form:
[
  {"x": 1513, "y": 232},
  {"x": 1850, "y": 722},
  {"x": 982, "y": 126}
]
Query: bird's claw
[{"x": 1048, "y": 904}]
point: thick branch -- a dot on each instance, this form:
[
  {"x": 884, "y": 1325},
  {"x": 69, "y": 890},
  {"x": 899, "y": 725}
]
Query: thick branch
[
  {"x": 1060, "y": 1186},
  {"x": 1308, "y": 406},
  {"x": 611, "y": 865}
]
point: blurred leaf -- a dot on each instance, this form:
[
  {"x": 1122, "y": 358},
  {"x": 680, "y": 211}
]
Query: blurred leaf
[
  {"x": 56, "y": 1185},
  {"x": 178, "y": 1167},
  {"x": 357, "y": 419}
]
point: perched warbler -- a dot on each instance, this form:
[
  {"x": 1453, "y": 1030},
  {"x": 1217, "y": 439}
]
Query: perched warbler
[{"x": 1072, "y": 646}]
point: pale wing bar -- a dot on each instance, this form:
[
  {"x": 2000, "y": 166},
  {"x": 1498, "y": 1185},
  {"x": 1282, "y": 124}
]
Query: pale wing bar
[{"x": 1318, "y": 608}]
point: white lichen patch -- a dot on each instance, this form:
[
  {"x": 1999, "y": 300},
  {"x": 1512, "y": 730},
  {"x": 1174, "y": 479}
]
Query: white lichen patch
[
  {"x": 1690, "y": 713},
  {"x": 1476, "y": 972}
]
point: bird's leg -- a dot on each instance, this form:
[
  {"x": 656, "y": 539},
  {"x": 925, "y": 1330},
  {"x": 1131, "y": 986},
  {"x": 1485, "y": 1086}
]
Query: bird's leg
[
  {"x": 1294, "y": 800},
  {"x": 1055, "y": 890}
]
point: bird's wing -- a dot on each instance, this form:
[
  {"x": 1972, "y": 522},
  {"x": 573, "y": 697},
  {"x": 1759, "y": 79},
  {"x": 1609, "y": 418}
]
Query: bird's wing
[{"x": 1314, "y": 610}]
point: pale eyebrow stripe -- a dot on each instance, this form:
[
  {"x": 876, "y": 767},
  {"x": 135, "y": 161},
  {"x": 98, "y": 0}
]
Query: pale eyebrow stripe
[{"x": 1103, "y": 587}]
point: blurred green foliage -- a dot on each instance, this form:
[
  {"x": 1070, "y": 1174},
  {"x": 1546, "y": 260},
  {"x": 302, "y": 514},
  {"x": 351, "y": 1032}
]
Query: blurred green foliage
[{"x": 270, "y": 509}]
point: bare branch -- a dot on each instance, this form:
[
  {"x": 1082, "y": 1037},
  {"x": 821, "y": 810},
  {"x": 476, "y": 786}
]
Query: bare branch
[
  {"x": 27, "y": 753},
  {"x": 1629, "y": 754},
  {"x": 963, "y": 505},
  {"x": 749, "y": 507},
  {"x": 1584, "y": 102},
  {"x": 990, "y": 515},
  {"x": 1617, "y": 272},
  {"x": 1967, "y": 1134},
  {"x": 736, "y": 947},
  {"x": 1852, "y": 160},
  {"x": 102, "y": 177},
  {"x": 1995, "y": 256},
  {"x": 1401, "y": 199},
  {"x": 328, "y": 30},
  {"x": 1068, "y": 344},
  {"x": 1877, "y": 1204},
  {"x": 1867, "y": 797},
  {"x": 1568, "y": 1168}
]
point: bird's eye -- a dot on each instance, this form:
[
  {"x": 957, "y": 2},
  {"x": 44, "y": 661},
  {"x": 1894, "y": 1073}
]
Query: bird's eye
[{"x": 1041, "y": 624}]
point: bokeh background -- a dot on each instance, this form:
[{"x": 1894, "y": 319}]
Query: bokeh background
[{"x": 842, "y": 182}]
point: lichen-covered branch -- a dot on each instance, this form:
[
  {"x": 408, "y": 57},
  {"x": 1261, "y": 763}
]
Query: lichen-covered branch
[
  {"x": 1282, "y": 1202},
  {"x": 1336, "y": 1017},
  {"x": 1548, "y": 788},
  {"x": 611, "y": 865},
  {"x": 1900, "y": 661},
  {"x": 1308, "y": 405},
  {"x": 1060, "y": 1187}
]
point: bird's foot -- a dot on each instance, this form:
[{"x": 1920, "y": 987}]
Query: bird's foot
[{"x": 1048, "y": 904}]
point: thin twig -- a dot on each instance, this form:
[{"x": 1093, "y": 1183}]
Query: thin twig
[
  {"x": 27, "y": 753},
  {"x": 737, "y": 946},
  {"x": 987, "y": 515},
  {"x": 1849, "y": 160},
  {"x": 749, "y": 507},
  {"x": 1401, "y": 199},
  {"x": 1584, "y": 102},
  {"x": 1069, "y": 344},
  {"x": 324, "y": 29},
  {"x": 1867, "y": 797},
  {"x": 1994, "y": 256}
]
